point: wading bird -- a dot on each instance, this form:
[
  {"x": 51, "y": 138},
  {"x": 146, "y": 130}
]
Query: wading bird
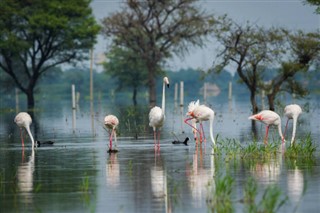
[
  {"x": 268, "y": 117},
  {"x": 157, "y": 115},
  {"x": 192, "y": 105},
  {"x": 23, "y": 120},
  {"x": 292, "y": 111},
  {"x": 202, "y": 113},
  {"x": 111, "y": 122}
]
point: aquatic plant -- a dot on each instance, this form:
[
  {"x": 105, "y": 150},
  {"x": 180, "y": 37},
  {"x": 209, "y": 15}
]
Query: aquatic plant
[
  {"x": 219, "y": 198},
  {"x": 304, "y": 148},
  {"x": 85, "y": 183},
  {"x": 270, "y": 202}
]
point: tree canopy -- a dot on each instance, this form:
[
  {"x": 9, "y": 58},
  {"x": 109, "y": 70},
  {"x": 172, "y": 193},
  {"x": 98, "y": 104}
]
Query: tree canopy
[
  {"x": 36, "y": 35},
  {"x": 155, "y": 30}
]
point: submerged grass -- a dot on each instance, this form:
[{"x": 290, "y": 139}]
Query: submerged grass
[
  {"x": 230, "y": 152},
  {"x": 220, "y": 197}
]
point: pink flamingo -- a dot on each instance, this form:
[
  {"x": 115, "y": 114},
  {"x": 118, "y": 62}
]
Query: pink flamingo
[
  {"x": 268, "y": 117},
  {"x": 192, "y": 105},
  {"x": 23, "y": 120},
  {"x": 157, "y": 115},
  {"x": 111, "y": 122},
  {"x": 202, "y": 113},
  {"x": 292, "y": 111}
]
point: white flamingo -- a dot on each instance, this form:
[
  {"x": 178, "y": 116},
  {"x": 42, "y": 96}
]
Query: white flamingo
[
  {"x": 157, "y": 115},
  {"x": 111, "y": 122},
  {"x": 268, "y": 117},
  {"x": 23, "y": 120},
  {"x": 192, "y": 105},
  {"x": 202, "y": 113},
  {"x": 292, "y": 111}
]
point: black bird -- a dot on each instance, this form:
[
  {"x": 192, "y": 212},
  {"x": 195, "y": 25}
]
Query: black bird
[
  {"x": 185, "y": 142},
  {"x": 44, "y": 143}
]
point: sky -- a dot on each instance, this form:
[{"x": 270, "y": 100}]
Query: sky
[{"x": 292, "y": 14}]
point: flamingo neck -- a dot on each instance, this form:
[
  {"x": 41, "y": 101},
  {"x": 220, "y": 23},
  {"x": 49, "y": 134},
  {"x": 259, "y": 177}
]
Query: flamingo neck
[
  {"x": 30, "y": 135},
  {"x": 211, "y": 129},
  {"x": 280, "y": 132},
  {"x": 163, "y": 97},
  {"x": 294, "y": 128}
]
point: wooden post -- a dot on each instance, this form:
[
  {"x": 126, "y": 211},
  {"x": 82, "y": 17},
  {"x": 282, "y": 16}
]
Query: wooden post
[
  {"x": 181, "y": 103},
  {"x": 230, "y": 90},
  {"x": 17, "y": 100},
  {"x": 73, "y": 107},
  {"x": 205, "y": 92}
]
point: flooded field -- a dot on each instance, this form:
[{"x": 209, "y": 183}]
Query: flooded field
[{"x": 76, "y": 174}]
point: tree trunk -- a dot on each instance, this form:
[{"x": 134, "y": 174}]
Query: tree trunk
[
  {"x": 254, "y": 105},
  {"x": 152, "y": 87},
  {"x": 30, "y": 97},
  {"x": 134, "y": 96},
  {"x": 271, "y": 98}
]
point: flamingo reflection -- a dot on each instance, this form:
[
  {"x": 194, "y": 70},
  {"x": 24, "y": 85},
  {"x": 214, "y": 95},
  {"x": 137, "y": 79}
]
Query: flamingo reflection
[
  {"x": 25, "y": 177},
  {"x": 268, "y": 172},
  {"x": 113, "y": 171},
  {"x": 199, "y": 177},
  {"x": 159, "y": 185},
  {"x": 295, "y": 183}
]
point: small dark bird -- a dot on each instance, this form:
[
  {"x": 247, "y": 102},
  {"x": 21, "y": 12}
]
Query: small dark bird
[
  {"x": 112, "y": 151},
  {"x": 44, "y": 143},
  {"x": 185, "y": 142}
]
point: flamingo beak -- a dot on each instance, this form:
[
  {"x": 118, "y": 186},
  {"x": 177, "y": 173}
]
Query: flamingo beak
[{"x": 168, "y": 85}]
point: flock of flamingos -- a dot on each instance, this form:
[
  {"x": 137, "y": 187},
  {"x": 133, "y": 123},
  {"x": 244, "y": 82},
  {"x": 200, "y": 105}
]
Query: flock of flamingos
[{"x": 196, "y": 113}]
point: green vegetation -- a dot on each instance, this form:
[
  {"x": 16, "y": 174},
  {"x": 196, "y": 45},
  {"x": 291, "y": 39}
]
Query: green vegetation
[{"x": 38, "y": 36}]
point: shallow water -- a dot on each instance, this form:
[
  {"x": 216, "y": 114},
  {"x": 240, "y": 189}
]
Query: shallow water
[{"x": 77, "y": 174}]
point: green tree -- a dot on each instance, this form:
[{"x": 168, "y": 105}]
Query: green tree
[
  {"x": 297, "y": 52},
  {"x": 155, "y": 30},
  {"x": 315, "y": 3},
  {"x": 127, "y": 68},
  {"x": 36, "y": 35},
  {"x": 246, "y": 48}
]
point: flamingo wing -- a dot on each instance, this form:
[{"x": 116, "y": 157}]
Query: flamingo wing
[{"x": 156, "y": 117}]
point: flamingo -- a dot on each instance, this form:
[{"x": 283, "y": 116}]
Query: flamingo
[
  {"x": 23, "y": 120},
  {"x": 111, "y": 122},
  {"x": 192, "y": 105},
  {"x": 202, "y": 113},
  {"x": 268, "y": 117},
  {"x": 292, "y": 111},
  {"x": 157, "y": 114}
]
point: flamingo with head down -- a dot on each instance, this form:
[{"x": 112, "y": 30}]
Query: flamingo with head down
[
  {"x": 202, "y": 113},
  {"x": 292, "y": 111},
  {"x": 111, "y": 122},
  {"x": 269, "y": 118},
  {"x": 23, "y": 120}
]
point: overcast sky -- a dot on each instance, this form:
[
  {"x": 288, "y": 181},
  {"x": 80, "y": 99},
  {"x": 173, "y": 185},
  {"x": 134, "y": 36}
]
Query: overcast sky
[{"x": 292, "y": 14}]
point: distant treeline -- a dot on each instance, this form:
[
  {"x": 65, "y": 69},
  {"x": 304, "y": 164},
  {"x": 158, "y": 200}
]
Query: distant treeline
[{"x": 57, "y": 85}]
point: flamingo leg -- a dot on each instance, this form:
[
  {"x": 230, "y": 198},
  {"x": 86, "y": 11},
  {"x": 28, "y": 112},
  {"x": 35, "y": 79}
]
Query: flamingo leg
[
  {"x": 21, "y": 136},
  {"x": 186, "y": 121},
  {"x": 155, "y": 138},
  {"x": 158, "y": 139},
  {"x": 285, "y": 129},
  {"x": 204, "y": 137},
  {"x": 110, "y": 139},
  {"x": 266, "y": 137}
]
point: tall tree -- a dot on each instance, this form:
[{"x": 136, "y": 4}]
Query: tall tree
[
  {"x": 315, "y": 3},
  {"x": 155, "y": 30},
  {"x": 297, "y": 52},
  {"x": 246, "y": 48},
  {"x": 36, "y": 35},
  {"x": 127, "y": 68}
]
